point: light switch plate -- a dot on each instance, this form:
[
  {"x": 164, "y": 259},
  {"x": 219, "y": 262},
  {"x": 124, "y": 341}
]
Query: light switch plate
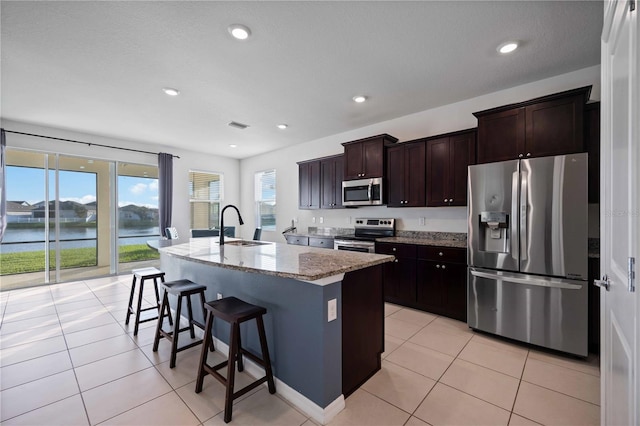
[
  {"x": 219, "y": 296},
  {"x": 321, "y": 219},
  {"x": 332, "y": 310}
]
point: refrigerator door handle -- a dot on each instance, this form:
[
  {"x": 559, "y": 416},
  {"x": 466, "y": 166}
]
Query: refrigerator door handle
[
  {"x": 540, "y": 282},
  {"x": 513, "y": 223},
  {"x": 524, "y": 192}
]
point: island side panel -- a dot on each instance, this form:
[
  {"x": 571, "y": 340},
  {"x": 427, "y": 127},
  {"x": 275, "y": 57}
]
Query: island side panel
[
  {"x": 305, "y": 349},
  {"x": 363, "y": 326}
]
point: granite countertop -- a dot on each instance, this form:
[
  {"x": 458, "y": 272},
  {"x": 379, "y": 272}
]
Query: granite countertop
[
  {"x": 424, "y": 241},
  {"x": 278, "y": 259}
]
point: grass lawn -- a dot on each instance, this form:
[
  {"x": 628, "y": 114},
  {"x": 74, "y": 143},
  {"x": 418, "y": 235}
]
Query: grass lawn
[{"x": 33, "y": 261}]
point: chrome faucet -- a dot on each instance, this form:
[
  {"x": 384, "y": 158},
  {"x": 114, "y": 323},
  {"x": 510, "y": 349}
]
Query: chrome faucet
[{"x": 222, "y": 221}]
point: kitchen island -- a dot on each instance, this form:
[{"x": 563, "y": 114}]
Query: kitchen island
[{"x": 317, "y": 360}]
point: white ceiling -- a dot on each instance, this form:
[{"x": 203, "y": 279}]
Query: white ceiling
[{"x": 99, "y": 67}]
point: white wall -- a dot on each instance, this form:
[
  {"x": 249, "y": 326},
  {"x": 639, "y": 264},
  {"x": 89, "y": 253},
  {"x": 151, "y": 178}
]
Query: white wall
[
  {"x": 457, "y": 116},
  {"x": 188, "y": 160}
]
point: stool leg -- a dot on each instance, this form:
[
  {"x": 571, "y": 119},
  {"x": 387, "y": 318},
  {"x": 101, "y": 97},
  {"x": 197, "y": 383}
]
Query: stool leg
[
  {"x": 165, "y": 304},
  {"x": 130, "y": 308},
  {"x": 176, "y": 331},
  {"x": 265, "y": 355},
  {"x": 239, "y": 352},
  {"x": 203, "y": 353},
  {"x": 170, "y": 319},
  {"x": 140, "y": 292},
  {"x": 204, "y": 315},
  {"x": 231, "y": 371},
  {"x": 190, "y": 313}
]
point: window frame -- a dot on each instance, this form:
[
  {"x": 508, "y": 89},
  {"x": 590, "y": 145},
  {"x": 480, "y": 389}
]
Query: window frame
[
  {"x": 209, "y": 202},
  {"x": 257, "y": 189}
]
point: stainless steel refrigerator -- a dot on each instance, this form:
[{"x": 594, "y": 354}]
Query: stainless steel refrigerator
[{"x": 527, "y": 251}]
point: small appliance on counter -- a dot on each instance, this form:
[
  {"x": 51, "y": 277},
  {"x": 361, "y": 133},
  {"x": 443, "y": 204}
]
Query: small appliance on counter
[
  {"x": 527, "y": 251},
  {"x": 366, "y": 230}
]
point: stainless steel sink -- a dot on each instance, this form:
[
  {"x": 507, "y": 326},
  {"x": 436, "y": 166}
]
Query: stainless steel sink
[{"x": 245, "y": 243}]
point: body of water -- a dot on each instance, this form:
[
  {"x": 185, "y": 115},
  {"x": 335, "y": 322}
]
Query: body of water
[{"x": 20, "y": 240}]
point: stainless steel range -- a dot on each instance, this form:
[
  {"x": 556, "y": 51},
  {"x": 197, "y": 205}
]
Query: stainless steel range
[{"x": 366, "y": 230}]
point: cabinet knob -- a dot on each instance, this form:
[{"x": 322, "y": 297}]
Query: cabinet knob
[
  {"x": 520, "y": 155},
  {"x": 451, "y": 200},
  {"x": 440, "y": 254},
  {"x": 395, "y": 261},
  {"x": 528, "y": 154},
  {"x": 444, "y": 266},
  {"x": 445, "y": 200},
  {"x": 394, "y": 249},
  {"x": 438, "y": 266}
]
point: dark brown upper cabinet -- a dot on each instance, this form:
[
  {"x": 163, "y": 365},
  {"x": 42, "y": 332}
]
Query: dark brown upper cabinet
[
  {"x": 447, "y": 159},
  {"x": 550, "y": 125},
  {"x": 365, "y": 158},
  {"x": 309, "y": 184},
  {"x": 406, "y": 174},
  {"x": 331, "y": 173}
]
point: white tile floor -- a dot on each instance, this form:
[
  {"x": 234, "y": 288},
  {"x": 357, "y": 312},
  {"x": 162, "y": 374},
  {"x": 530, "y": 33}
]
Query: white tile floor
[{"x": 67, "y": 358}]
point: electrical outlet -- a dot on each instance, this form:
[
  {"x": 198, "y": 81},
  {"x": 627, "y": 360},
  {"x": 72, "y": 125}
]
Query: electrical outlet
[
  {"x": 321, "y": 219},
  {"x": 332, "y": 310},
  {"x": 219, "y": 296},
  {"x": 422, "y": 221}
]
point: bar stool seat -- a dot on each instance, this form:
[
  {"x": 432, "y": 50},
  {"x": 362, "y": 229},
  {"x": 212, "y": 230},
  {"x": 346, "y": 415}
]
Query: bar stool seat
[
  {"x": 179, "y": 288},
  {"x": 234, "y": 311},
  {"x": 144, "y": 274}
]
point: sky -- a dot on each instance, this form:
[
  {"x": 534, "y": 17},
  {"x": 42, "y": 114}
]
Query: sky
[{"x": 28, "y": 184}]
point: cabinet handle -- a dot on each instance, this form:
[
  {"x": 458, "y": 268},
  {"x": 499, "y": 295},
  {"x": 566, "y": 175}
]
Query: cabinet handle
[
  {"x": 395, "y": 261},
  {"x": 445, "y": 200},
  {"x": 528, "y": 154},
  {"x": 438, "y": 266},
  {"x": 451, "y": 200},
  {"x": 520, "y": 155},
  {"x": 394, "y": 249},
  {"x": 444, "y": 266},
  {"x": 440, "y": 254}
]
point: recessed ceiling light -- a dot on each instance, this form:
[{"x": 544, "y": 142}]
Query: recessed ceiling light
[
  {"x": 282, "y": 126},
  {"x": 359, "y": 98},
  {"x": 508, "y": 47},
  {"x": 233, "y": 145},
  {"x": 239, "y": 31},
  {"x": 171, "y": 91}
]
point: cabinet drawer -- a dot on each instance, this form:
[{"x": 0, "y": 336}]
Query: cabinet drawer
[
  {"x": 321, "y": 242},
  {"x": 443, "y": 254},
  {"x": 298, "y": 241},
  {"x": 399, "y": 250}
]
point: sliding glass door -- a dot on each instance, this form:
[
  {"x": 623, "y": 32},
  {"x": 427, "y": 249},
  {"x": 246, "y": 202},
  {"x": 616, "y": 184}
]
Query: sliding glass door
[{"x": 71, "y": 218}]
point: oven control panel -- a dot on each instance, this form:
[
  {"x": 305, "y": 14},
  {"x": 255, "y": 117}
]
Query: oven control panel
[{"x": 374, "y": 223}]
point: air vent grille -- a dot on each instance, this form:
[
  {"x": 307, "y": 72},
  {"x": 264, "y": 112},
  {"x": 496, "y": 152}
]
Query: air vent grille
[{"x": 237, "y": 125}]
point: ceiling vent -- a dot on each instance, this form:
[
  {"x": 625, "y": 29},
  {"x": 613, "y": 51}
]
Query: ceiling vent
[{"x": 238, "y": 125}]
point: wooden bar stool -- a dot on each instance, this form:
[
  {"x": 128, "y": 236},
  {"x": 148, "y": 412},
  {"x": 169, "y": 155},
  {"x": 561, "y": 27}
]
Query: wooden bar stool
[
  {"x": 234, "y": 311},
  {"x": 179, "y": 288},
  {"x": 144, "y": 274}
]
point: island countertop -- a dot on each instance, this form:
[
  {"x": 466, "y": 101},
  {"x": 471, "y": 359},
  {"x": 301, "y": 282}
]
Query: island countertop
[{"x": 282, "y": 260}]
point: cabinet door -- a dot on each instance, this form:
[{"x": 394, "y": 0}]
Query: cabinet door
[
  {"x": 501, "y": 135},
  {"x": 455, "y": 280},
  {"x": 400, "y": 281},
  {"x": 554, "y": 127},
  {"x": 373, "y": 153},
  {"x": 395, "y": 176},
  {"x": 431, "y": 291},
  {"x": 353, "y": 161},
  {"x": 339, "y": 177},
  {"x": 459, "y": 147},
  {"x": 327, "y": 183},
  {"x": 437, "y": 172},
  {"x": 309, "y": 185},
  {"x": 415, "y": 173}
]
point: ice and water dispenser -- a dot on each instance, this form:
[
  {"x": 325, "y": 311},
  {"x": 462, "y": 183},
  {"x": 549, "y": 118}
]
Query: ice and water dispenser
[{"x": 494, "y": 232}]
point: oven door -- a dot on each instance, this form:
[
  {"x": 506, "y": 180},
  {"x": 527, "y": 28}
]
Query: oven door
[
  {"x": 359, "y": 246},
  {"x": 362, "y": 192}
]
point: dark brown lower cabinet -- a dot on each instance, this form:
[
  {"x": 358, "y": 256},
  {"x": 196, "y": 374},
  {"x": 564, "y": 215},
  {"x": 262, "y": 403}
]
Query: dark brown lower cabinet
[
  {"x": 442, "y": 281},
  {"x": 430, "y": 278},
  {"x": 362, "y": 326}
]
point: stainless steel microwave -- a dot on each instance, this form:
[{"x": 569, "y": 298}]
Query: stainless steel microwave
[{"x": 362, "y": 192}]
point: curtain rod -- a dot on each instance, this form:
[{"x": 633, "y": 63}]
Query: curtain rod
[{"x": 85, "y": 143}]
